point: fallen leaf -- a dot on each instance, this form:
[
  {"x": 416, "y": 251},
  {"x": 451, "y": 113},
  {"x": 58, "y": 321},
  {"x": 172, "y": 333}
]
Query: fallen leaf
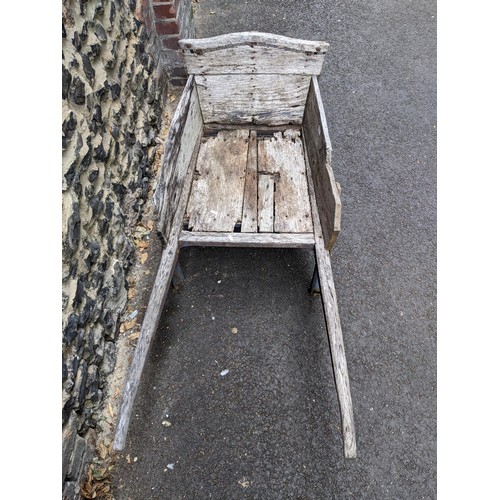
[
  {"x": 102, "y": 450},
  {"x": 128, "y": 459},
  {"x": 143, "y": 257},
  {"x": 134, "y": 336},
  {"x": 129, "y": 324},
  {"x": 116, "y": 393},
  {"x": 110, "y": 410},
  {"x": 171, "y": 98},
  {"x": 150, "y": 224},
  {"x": 131, "y": 293}
]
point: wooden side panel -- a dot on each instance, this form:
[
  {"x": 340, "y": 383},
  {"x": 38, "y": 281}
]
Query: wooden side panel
[
  {"x": 319, "y": 153},
  {"x": 253, "y": 52},
  {"x": 181, "y": 145},
  {"x": 254, "y": 99},
  {"x": 249, "y": 218},
  {"x": 216, "y": 200},
  {"x": 283, "y": 155}
]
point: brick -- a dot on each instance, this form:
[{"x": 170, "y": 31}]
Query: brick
[
  {"x": 178, "y": 72},
  {"x": 177, "y": 82},
  {"x": 167, "y": 28},
  {"x": 171, "y": 42},
  {"x": 167, "y": 11}
]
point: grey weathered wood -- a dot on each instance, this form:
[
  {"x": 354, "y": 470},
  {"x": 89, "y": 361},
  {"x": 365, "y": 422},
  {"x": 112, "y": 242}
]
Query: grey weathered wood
[
  {"x": 283, "y": 155},
  {"x": 253, "y": 240},
  {"x": 332, "y": 320},
  {"x": 254, "y": 99},
  {"x": 154, "y": 309},
  {"x": 211, "y": 128},
  {"x": 265, "y": 213},
  {"x": 180, "y": 147},
  {"x": 216, "y": 199},
  {"x": 319, "y": 152},
  {"x": 253, "y": 52},
  {"x": 249, "y": 217}
]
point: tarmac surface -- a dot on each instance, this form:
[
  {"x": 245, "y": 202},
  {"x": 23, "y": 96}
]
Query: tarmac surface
[{"x": 238, "y": 397}]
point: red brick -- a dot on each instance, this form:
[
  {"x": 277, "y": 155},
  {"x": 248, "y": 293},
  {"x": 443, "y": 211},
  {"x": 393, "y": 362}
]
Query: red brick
[
  {"x": 167, "y": 28},
  {"x": 165, "y": 11},
  {"x": 171, "y": 42}
]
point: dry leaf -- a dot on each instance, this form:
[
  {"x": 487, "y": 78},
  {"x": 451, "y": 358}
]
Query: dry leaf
[
  {"x": 134, "y": 336},
  {"x": 128, "y": 459},
  {"x": 129, "y": 324},
  {"x": 143, "y": 257},
  {"x": 131, "y": 293},
  {"x": 150, "y": 224},
  {"x": 142, "y": 244},
  {"x": 102, "y": 450},
  {"x": 116, "y": 393},
  {"x": 110, "y": 410},
  {"x": 171, "y": 98}
]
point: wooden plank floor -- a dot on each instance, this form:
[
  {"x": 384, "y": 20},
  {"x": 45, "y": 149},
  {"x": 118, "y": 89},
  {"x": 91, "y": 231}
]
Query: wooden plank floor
[{"x": 250, "y": 181}]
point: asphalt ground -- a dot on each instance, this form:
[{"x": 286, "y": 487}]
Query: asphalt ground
[{"x": 270, "y": 427}]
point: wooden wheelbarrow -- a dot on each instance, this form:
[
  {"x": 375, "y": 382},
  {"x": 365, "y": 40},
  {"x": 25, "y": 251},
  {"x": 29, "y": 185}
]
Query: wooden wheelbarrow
[{"x": 247, "y": 164}]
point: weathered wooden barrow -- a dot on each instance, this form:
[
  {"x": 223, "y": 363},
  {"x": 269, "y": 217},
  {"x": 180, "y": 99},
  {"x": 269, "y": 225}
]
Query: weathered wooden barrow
[{"x": 247, "y": 164}]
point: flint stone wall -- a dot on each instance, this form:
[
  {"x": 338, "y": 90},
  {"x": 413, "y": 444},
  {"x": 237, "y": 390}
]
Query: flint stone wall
[{"x": 113, "y": 88}]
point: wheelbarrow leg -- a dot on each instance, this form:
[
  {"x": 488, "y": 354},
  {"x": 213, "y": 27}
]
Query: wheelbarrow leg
[
  {"x": 315, "y": 289},
  {"x": 178, "y": 276}
]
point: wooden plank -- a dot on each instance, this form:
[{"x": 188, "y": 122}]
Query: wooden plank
[
  {"x": 265, "y": 215},
  {"x": 253, "y": 52},
  {"x": 283, "y": 155},
  {"x": 181, "y": 146},
  {"x": 319, "y": 152},
  {"x": 252, "y": 240},
  {"x": 153, "y": 312},
  {"x": 216, "y": 200},
  {"x": 332, "y": 319},
  {"x": 253, "y": 99},
  {"x": 212, "y": 128},
  {"x": 249, "y": 217}
]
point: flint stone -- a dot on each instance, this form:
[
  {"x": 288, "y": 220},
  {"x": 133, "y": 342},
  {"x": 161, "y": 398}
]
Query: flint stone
[
  {"x": 100, "y": 32},
  {"x": 66, "y": 82},
  {"x": 109, "y": 360},
  {"x": 69, "y": 124},
  {"x": 77, "y": 91},
  {"x": 80, "y": 383},
  {"x": 71, "y": 328},
  {"x": 93, "y": 175},
  {"x": 88, "y": 69}
]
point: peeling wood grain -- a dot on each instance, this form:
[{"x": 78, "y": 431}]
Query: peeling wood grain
[
  {"x": 251, "y": 240},
  {"x": 254, "y": 99},
  {"x": 248, "y": 59},
  {"x": 181, "y": 145},
  {"x": 283, "y": 155},
  {"x": 249, "y": 217},
  {"x": 319, "y": 153},
  {"x": 253, "y": 37},
  {"x": 216, "y": 199},
  {"x": 332, "y": 320},
  {"x": 265, "y": 204}
]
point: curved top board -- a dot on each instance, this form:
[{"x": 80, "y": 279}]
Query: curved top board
[{"x": 252, "y": 52}]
